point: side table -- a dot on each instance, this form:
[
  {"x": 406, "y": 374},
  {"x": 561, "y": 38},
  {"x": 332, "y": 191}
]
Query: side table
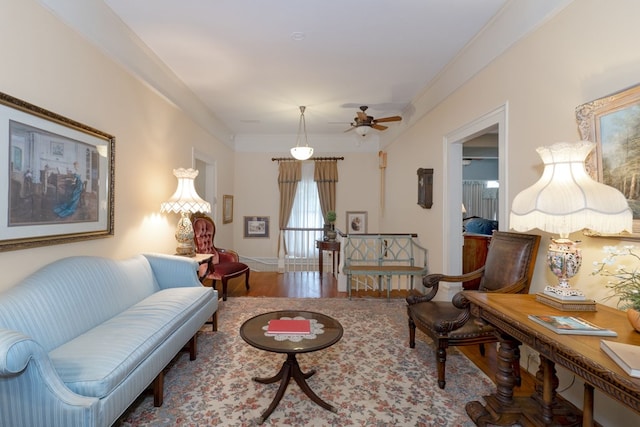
[{"x": 328, "y": 245}]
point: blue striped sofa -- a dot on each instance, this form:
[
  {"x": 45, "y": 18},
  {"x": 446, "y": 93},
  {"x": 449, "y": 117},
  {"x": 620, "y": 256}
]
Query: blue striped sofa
[{"x": 82, "y": 337}]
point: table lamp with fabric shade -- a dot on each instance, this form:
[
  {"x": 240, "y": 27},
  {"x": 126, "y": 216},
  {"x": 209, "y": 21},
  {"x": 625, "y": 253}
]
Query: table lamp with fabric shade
[
  {"x": 564, "y": 200},
  {"x": 185, "y": 201}
]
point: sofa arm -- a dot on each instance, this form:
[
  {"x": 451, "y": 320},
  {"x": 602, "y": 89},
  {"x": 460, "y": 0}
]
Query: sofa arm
[
  {"x": 36, "y": 396},
  {"x": 172, "y": 271}
]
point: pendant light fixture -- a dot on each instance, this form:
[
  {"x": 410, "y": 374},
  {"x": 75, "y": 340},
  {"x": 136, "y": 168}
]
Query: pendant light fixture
[{"x": 302, "y": 152}]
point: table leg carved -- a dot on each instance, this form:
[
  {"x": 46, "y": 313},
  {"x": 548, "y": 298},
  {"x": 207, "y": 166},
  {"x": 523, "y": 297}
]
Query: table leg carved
[{"x": 543, "y": 408}]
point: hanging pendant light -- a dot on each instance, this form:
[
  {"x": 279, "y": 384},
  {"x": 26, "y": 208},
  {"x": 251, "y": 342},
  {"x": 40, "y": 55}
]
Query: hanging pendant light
[{"x": 302, "y": 152}]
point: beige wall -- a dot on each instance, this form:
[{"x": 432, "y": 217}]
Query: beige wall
[
  {"x": 49, "y": 65},
  {"x": 589, "y": 50},
  {"x": 257, "y": 194}
]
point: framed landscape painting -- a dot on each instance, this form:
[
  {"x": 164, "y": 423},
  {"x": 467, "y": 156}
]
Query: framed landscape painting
[
  {"x": 56, "y": 178},
  {"x": 613, "y": 124},
  {"x": 256, "y": 226}
]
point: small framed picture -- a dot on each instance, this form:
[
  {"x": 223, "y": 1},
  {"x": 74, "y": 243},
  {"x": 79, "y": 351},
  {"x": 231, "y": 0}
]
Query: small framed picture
[
  {"x": 256, "y": 226},
  {"x": 227, "y": 209},
  {"x": 356, "y": 222}
]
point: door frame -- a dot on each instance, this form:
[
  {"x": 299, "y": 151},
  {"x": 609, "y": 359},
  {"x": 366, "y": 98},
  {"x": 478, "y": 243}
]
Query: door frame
[{"x": 453, "y": 142}]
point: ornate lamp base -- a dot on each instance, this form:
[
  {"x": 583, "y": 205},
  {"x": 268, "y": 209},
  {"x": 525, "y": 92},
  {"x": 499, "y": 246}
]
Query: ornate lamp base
[
  {"x": 184, "y": 236},
  {"x": 564, "y": 259}
]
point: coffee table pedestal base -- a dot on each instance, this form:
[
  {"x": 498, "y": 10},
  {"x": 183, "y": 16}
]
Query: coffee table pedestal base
[{"x": 291, "y": 369}]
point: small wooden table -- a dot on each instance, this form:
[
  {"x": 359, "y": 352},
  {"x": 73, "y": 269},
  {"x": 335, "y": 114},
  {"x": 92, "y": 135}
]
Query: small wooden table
[
  {"x": 328, "y": 245},
  {"x": 253, "y": 331}
]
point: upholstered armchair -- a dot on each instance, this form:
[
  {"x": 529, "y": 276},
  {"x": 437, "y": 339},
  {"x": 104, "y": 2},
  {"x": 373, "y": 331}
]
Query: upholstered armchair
[
  {"x": 225, "y": 264},
  {"x": 509, "y": 267}
]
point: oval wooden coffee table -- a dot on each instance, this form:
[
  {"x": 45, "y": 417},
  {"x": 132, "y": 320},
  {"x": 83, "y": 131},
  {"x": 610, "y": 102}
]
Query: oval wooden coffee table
[{"x": 325, "y": 331}]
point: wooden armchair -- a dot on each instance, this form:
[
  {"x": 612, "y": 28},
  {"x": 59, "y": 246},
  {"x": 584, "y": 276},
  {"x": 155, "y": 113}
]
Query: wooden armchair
[
  {"x": 225, "y": 264},
  {"x": 509, "y": 267}
]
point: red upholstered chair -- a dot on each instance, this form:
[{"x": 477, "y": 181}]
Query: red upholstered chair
[{"x": 225, "y": 264}]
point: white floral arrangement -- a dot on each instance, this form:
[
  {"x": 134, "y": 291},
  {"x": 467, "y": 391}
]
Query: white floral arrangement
[{"x": 621, "y": 266}]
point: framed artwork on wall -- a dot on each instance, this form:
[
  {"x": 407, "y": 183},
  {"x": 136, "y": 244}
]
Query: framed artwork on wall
[
  {"x": 256, "y": 226},
  {"x": 356, "y": 222},
  {"x": 613, "y": 124},
  {"x": 57, "y": 178},
  {"x": 227, "y": 209}
]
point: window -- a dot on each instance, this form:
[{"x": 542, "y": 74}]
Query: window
[{"x": 306, "y": 213}]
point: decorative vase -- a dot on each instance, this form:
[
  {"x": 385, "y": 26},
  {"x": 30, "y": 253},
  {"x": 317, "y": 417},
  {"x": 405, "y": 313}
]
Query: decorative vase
[{"x": 634, "y": 318}]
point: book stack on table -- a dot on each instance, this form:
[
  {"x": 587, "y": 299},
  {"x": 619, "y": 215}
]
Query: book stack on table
[{"x": 627, "y": 356}]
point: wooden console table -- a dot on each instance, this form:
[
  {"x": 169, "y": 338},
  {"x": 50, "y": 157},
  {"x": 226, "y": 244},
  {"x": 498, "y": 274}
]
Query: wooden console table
[
  {"x": 580, "y": 354},
  {"x": 328, "y": 245}
]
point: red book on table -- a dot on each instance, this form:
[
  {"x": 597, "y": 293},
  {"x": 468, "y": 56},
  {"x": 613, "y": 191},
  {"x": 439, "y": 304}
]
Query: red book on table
[{"x": 289, "y": 326}]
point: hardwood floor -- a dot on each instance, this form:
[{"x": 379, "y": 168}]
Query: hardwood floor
[{"x": 311, "y": 285}]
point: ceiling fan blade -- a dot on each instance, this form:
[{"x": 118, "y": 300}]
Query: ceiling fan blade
[
  {"x": 388, "y": 119},
  {"x": 362, "y": 115},
  {"x": 350, "y": 129},
  {"x": 379, "y": 127}
]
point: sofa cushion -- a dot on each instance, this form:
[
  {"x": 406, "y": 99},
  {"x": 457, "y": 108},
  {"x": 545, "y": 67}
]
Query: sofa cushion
[
  {"x": 94, "y": 363},
  {"x": 70, "y": 296}
]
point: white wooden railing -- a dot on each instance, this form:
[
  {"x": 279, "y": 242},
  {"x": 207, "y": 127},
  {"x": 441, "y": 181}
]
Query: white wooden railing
[{"x": 298, "y": 250}]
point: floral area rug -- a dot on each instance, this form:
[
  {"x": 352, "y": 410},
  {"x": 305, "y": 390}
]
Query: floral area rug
[{"x": 371, "y": 375}]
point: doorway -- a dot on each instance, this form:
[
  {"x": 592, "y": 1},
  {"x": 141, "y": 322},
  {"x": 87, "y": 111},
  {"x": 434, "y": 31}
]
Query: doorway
[
  {"x": 494, "y": 121},
  {"x": 206, "y": 181}
]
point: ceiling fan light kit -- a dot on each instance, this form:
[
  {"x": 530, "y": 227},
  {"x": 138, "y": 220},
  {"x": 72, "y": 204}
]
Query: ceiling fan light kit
[
  {"x": 302, "y": 152},
  {"x": 362, "y": 130},
  {"x": 363, "y": 123}
]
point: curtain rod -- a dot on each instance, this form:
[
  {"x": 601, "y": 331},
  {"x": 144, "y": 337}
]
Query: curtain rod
[{"x": 289, "y": 159}]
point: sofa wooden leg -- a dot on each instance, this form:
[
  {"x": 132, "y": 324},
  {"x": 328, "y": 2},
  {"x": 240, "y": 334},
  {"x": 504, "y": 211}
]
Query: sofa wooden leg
[
  {"x": 214, "y": 321},
  {"x": 193, "y": 347},
  {"x": 158, "y": 390}
]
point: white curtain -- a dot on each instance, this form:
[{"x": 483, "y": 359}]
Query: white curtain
[
  {"x": 305, "y": 213},
  {"x": 480, "y": 200}
]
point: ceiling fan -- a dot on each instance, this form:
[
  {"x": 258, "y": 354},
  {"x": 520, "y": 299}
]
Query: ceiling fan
[{"x": 362, "y": 123}]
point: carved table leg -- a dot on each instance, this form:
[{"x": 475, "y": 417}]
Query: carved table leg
[{"x": 500, "y": 409}]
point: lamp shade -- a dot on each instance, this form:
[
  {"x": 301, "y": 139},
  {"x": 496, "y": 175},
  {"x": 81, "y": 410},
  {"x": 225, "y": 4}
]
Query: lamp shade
[
  {"x": 185, "y": 199},
  {"x": 566, "y": 199},
  {"x": 302, "y": 153},
  {"x": 363, "y": 130}
]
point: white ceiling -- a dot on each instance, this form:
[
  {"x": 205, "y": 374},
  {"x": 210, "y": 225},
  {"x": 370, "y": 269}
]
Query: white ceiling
[{"x": 243, "y": 63}]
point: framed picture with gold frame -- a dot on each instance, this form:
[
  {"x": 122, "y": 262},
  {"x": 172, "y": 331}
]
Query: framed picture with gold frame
[
  {"x": 227, "y": 209},
  {"x": 613, "y": 124},
  {"x": 57, "y": 178}
]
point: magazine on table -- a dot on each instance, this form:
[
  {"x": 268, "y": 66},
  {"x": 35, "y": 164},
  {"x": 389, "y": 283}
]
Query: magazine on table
[{"x": 571, "y": 325}]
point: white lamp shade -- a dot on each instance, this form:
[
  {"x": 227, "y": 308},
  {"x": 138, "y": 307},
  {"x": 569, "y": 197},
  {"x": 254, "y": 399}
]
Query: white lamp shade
[
  {"x": 185, "y": 199},
  {"x": 302, "y": 153},
  {"x": 566, "y": 199},
  {"x": 363, "y": 130}
]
